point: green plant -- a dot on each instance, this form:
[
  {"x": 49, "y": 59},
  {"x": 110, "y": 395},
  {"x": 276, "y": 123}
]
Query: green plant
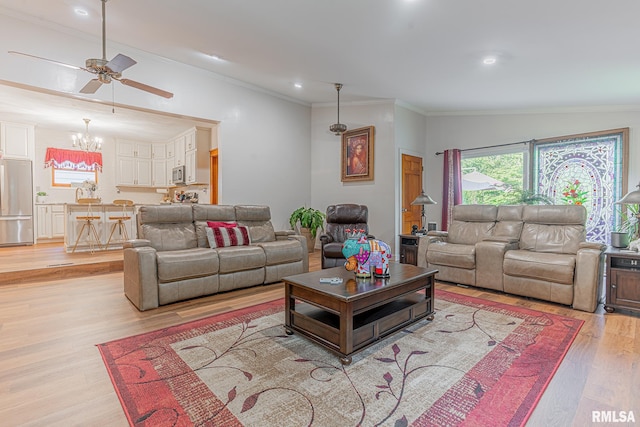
[
  {"x": 310, "y": 218},
  {"x": 528, "y": 197},
  {"x": 41, "y": 193},
  {"x": 628, "y": 215}
]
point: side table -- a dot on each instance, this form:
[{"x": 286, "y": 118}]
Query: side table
[
  {"x": 409, "y": 249},
  {"x": 623, "y": 280}
]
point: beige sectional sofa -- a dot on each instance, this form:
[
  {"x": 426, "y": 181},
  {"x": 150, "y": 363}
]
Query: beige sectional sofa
[
  {"x": 172, "y": 261},
  {"x": 535, "y": 251}
]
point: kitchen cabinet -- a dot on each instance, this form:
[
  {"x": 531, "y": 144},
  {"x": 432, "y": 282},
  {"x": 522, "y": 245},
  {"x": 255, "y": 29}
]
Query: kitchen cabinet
[
  {"x": 158, "y": 151},
  {"x": 198, "y": 144},
  {"x": 160, "y": 173},
  {"x": 50, "y": 222},
  {"x": 17, "y": 141},
  {"x": 180, "y": 147},
  {"x": 134, "y": 165}
]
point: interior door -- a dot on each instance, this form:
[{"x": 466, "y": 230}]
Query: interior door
[{"x": 411, "y": 188}]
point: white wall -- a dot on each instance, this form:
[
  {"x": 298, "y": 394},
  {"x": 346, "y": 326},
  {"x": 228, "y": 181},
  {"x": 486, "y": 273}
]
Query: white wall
[
  {"x": 460, "y": 131},
  {"x": 264, "y": 140}
]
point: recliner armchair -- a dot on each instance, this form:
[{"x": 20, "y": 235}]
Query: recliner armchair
[{"x": 340, "y": 218}]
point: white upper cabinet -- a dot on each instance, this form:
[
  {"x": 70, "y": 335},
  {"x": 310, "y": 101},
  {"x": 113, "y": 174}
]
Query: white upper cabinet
[{"x": 17, "y": 141}]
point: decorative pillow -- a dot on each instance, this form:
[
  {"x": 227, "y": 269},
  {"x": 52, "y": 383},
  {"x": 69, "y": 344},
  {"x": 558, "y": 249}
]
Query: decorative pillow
[
  {"x": 222, "y": 224},
  {"x": 221, "y": 237}
]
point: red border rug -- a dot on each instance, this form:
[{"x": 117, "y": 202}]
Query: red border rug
[{"x": 478, "y": 363}]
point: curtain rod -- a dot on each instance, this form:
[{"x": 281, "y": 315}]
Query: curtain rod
[{"x": 493, "y": 146}]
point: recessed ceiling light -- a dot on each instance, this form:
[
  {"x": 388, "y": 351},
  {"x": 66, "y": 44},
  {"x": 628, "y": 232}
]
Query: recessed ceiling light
[
  {"x": 81, "y": 12},
  {"x": 489, "y": 60},
  {"x": 297, "y": 85}
]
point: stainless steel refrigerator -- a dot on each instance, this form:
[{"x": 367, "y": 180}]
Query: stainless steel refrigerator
[{"x": 16, "y": 202}]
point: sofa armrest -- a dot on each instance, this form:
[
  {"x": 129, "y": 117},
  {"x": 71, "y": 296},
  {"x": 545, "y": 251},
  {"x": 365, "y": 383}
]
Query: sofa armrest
[
  {"x": 438, "y": 233},
  {"x": 325, "y": 238},
  {"x": 587, "y": 280},
  {"x": 490, "y": 262},
  {"x": 305, "y": 250},
  {"x": 592, "y": 245},
  {"x": 498, "y": 239},
  {"x": 284, "y": 234},
  {"x": 423, "y": 246},
  {"x": 136, "y": 243},
  {"x": 141, "y": 277}
]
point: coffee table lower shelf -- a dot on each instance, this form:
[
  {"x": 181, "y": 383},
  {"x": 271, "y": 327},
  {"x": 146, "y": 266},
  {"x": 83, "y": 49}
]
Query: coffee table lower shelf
[{"x": 343, "y": 329}]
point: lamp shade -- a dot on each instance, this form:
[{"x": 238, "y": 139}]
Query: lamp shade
[
  {"x": 631, "y": 198},
  {"x": 423, "y": 199}
]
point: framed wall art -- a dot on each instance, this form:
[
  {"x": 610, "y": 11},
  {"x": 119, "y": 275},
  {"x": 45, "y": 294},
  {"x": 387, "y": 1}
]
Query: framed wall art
[{"x": 357, "y": 154}]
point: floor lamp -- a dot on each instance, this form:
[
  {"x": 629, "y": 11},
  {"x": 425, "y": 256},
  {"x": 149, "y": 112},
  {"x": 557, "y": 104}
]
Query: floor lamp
[{"x": 422, "y": 200}]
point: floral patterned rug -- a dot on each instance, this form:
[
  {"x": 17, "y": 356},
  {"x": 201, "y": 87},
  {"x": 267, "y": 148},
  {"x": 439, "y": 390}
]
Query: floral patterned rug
[{"x": 477, "y": 363}]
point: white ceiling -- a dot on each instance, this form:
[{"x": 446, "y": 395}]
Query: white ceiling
[{"x": 427, "y": 53}]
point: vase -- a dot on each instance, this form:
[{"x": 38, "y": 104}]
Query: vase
[{"x": 619, "y": 240}]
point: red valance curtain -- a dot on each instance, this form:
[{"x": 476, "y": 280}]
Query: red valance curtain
[
  {"x": 73, "y": 159},
  {"x": 452, "y": 180}
]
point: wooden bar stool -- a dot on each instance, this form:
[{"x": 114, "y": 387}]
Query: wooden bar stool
[
  {"x": 119, "y": 221},
  {"x": 88, "y": 220}
]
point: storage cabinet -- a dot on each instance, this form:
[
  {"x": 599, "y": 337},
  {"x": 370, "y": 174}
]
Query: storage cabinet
[
  {"x": 623, "y": 280},
  {"x": 409, "y": 249},
  {"x": 198, "y": 144},
  {"x": 134, "y": 166},
  {"x": 50, "y": 222},
  {"x": 160, "y": 173},
  {"x": 17, "y": 141}
]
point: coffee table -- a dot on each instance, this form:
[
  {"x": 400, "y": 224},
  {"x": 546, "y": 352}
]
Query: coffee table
[{"x": 348, "y": 317}]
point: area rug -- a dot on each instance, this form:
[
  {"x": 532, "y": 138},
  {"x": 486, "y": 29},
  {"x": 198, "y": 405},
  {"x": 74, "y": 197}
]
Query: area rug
[{"x": 477, "y": 363}]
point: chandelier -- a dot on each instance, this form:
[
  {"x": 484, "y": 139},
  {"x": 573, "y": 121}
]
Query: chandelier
[
  {"x": 85, "y": 141},
  {"x": 338, "y": 128}
]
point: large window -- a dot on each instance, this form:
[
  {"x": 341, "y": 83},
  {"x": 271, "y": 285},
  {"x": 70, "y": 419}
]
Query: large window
[{"x": 495, "y": 176}]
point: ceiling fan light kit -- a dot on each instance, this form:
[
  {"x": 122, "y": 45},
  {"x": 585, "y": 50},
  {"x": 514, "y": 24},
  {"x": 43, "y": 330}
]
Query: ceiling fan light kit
[
  {"x": 338, "y": 128},
  {"x": 105, "y": 70}
]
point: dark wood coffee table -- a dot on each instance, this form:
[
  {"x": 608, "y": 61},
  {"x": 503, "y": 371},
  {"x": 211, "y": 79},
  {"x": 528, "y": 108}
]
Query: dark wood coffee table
[{"x": 351, "y": 316}]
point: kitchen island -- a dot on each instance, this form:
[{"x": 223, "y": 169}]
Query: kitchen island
[{"x": 103, "y": 226}]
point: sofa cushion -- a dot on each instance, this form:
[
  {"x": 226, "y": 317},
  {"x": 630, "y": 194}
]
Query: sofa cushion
[
  {"x": 204, "y": 213},
  {"x": 509, "y": 222},
  {"x": 239, "y": 258},
  {"x": 185, "y": 264},
  {"x": 561, "y": 239},
  {"x": 282, "y": 251},
  {"x": 169, "y": 237},
  {"x": 258, "y": 219},
  {"x": 550, "y": 267},
  {"x": 222, "y": 237},
  {"x": 453, "y": 255},
  {"x": 469, "y": 233}
]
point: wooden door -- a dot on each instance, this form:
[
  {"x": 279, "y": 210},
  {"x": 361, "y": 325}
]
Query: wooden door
[{"x": 411, "y": 188}]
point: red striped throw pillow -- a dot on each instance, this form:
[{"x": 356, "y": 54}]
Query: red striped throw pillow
[{"x": 222, "y": 237}]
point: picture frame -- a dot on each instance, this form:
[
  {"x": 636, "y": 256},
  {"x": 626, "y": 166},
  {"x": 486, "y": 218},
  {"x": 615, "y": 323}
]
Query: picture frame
[{"x": 357, "y": 154}]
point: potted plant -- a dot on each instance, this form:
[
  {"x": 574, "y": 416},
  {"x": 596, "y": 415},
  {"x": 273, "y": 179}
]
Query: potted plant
[
  {"x": 310, "y": 221},
  {"x": 41, "y": 197},
  {"x": 628, "y": 228}
]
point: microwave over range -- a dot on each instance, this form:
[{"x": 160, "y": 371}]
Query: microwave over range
[{"x": 178, "y": 175}]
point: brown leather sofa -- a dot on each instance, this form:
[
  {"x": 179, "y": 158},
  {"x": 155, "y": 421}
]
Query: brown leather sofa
[
  {"x": 171, "y": 260},
  {"x": 536, "y": 251},
  {"x": 340, "y": 218}
]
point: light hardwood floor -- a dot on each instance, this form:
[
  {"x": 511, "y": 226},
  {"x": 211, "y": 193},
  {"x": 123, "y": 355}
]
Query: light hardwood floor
[{"x": 51, "y": 373}]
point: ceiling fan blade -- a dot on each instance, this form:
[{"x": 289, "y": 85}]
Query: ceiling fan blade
[
  {"x": 146, "y": 88},
  {"x": 48, "y": 60},
  {"x": 92, "y": 86},
  {"x": 120, "y": 63}
]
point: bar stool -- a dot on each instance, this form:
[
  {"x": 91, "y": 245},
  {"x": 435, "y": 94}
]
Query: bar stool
[
  {"x": 119, "y": 220},
  {"x": 87, "y": 220}
]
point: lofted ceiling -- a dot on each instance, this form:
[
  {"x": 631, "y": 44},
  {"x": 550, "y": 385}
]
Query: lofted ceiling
[{"x": 549, "y": 54}]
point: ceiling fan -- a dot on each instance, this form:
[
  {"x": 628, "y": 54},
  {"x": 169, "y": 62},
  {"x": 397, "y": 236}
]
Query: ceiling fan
[{"x": 104, "y": 70}]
